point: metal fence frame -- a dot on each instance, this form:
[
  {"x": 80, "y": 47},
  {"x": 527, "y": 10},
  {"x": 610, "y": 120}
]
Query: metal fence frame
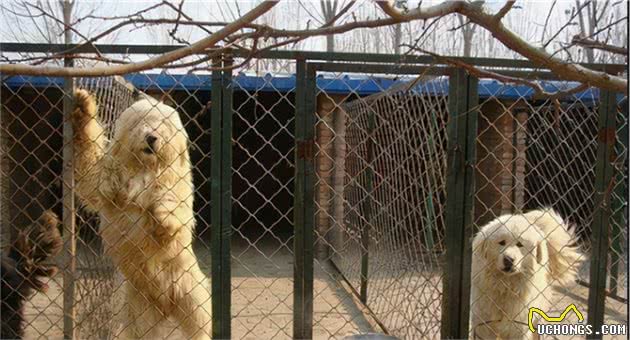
[
  {"x": 462, "y": 129},
  {"x": 221, "y": 191}
]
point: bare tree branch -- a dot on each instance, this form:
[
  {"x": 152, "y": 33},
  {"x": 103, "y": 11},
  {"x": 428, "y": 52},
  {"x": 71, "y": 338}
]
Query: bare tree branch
[
  {"x": 544, "y": 30},
  {"x": 592, "y": 43},
  {"x": 481, "y": 73},
  {"x": 52, "y": 17},
  {"x": 199, "y": 46},
  {"x": 230, "y": 33},
  {"x": 504, "y": 10},
  {"x": 339, "y": 14},
  {"x": 568, "y": 45},
  {"x": 512, "y": 41},
  {"x": 173, "y": 32}
]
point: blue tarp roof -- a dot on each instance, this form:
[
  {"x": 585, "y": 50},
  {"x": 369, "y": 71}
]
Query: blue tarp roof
[{"x": 361, "y": 85}]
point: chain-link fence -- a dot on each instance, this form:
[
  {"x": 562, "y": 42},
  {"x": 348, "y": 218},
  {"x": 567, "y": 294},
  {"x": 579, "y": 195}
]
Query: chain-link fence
[
  {"x": 322, "y": 200},
  {"x": 36, "y": 146},
  {"x": 383, "y": 171},
  {"x": 534, "y": 154},
  {"x": 95, "y": 278}
]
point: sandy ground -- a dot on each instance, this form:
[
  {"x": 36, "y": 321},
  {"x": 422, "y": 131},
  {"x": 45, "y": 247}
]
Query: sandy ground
[{"x": 262, "y": 301}]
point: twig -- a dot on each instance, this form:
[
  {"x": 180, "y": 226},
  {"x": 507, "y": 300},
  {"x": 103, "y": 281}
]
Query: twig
[
  {"x": 594, "y": 44},
  {"x": 461, "y": 25},
  {"x": 425, "y": 31},
  {"x": 566, "y": 48},
  {"x": 573, "y": 15},
  {"x": 173, "y": 32},
  {"x": 308, "y": 12},
  {"x": 65, "y": 26},
  {"x": 160, "y": 60},
  {"x": 504, "y": 10},
  {"x": 472, "y": 10},
  {"x": 481, "y": 73},
  {"x": 339, "y": 14},
  {"x": 475, "y": 13},
  {"x": 129, "y": 16},
  {"x": 544, "y": 30}
]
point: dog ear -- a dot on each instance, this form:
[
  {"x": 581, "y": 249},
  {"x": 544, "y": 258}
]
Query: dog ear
[
  {"x": 542, "y": 254},
  {"x": 479, "y": 243}
]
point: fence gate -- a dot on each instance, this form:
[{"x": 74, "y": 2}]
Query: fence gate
[
  {"x": 380, "y": 191},
  {"x": 337, "y": 195}
]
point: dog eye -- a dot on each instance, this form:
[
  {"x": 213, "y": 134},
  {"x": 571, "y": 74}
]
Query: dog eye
[
  {"x": 519, "y": 244},
  {"x": 502, "y": 243}
]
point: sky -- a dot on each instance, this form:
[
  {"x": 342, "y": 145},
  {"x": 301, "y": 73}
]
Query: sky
[{"x": 526, "y": 19}]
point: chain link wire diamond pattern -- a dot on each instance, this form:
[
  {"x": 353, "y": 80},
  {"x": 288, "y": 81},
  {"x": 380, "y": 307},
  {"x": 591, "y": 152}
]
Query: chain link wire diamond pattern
[{"x": 380, "y": 194}]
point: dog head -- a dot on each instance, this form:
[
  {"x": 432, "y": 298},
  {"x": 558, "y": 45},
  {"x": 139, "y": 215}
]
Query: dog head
[
  {"x": 511, "y": 245},
  {"x": 150, "y": 134}
]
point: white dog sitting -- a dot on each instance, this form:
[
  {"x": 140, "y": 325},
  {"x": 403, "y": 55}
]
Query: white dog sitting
[
  {"x": 516, "y": 259},
  {"x": 140, "y": 183}
]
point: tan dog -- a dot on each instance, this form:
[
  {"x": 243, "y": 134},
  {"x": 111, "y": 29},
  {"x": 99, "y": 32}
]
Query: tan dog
[
  {"x": 516, "y": 259},
  {"x": 140, "y": 183}
]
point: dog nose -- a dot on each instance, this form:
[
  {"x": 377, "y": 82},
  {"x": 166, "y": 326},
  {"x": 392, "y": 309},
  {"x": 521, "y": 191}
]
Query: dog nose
[
  {"x": 508, "y": 263},
  {"x": 151, "y": 139}
]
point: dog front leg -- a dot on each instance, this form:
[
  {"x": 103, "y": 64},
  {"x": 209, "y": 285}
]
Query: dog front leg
[
  {"x": 170, "y": 216},
  {"x": 89, "y": 143}
]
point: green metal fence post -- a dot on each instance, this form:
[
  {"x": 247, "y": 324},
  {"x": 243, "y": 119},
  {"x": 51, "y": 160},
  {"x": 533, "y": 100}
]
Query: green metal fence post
[
  {"x": 221, "y": 200},
  {"x": 602, "y": 214},
  {"x": 369, "y": 187},
  {"x": 303, "y": 213},
  {"x": 462, "y": 132}
]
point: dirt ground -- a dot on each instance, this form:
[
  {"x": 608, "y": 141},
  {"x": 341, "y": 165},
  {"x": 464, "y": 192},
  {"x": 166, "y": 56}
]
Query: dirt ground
[{"x": 262, "y": 301}]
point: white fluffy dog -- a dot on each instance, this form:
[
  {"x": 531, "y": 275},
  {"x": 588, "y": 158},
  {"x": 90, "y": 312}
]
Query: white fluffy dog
[
  {"x": 140, "y": 183},
  {"x": 516, "y": 259}
]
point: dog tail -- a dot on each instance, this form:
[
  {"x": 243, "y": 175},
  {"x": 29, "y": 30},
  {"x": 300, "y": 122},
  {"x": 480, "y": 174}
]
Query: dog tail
[
  {"x": 34, "y": 247},
  {"x": 564, "y": 255}
]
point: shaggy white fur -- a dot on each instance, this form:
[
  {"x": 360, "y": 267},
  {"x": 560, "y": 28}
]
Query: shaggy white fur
[
  {"x": 516, "y": 259},
  {"x": 140, "y": 183}
]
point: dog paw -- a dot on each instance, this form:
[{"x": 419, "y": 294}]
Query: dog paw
[
  {"x": 166, "y": 226},
  {"x": 85, "y": 108},
  {"x": 164, "y": 234},
  {"x": 161, "y": 235}
]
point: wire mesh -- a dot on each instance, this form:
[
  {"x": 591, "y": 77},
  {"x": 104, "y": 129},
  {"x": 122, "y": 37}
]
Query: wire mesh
[
  {"x": 618, "y": 284},
  {"x": 536, "y": 154},
  {"x": 30, "y": 117},
  {"x": 32, "y": 138},
  {"x": 96, "y": 280},
  {"x": 262, "y": 196},
  {"x": 41, "y": 141},
  {"x": 381, "y": 165},
  {"x": 380, "y": 193}
]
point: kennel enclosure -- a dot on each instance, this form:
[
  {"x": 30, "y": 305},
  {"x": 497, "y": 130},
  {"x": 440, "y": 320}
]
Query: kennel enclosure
[{"x": 339, "y": 195}]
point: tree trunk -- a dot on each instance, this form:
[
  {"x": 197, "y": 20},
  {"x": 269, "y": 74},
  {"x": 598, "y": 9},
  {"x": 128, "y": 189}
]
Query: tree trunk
[
  {"x": 397, "y": 38},
  {"x": 330, "y": 43},
  {"x": 468, "y": 31},
  {"x": 329, "y": 10},
  {"x": 67, "y": 20},
  {"x": 467, "y": 44}
]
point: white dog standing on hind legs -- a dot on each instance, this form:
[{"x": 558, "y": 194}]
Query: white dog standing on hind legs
[
  {"x": 516, "y": 259},
  {"x": 140, "y": 184}
]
